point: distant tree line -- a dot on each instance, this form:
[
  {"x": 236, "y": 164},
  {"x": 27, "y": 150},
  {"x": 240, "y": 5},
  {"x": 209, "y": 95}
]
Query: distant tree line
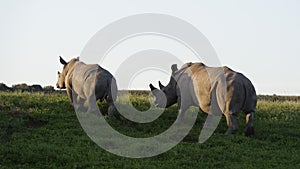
[
  {"x": 276, "y": 98},
  {"x": 23, "y": 87}
]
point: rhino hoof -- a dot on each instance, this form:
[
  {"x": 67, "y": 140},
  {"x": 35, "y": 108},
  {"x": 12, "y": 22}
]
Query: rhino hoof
[
  {"x": 249, "y": 131},
  {"x": 93, "y": 111},
  {"x": 80, "y": 109},
  {"x": 230, "y": 131},
  {"x": 110, "y": 114},
  {"x": 111, "y": 111}
]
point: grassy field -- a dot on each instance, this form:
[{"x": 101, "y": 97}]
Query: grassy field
[{"x": 42, "y": 131}]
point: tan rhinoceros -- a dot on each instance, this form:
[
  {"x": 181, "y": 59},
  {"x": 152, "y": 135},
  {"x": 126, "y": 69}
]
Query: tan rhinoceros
[
  {"x": 196, "y": 84},
  {"x": 87, "y": 82}
]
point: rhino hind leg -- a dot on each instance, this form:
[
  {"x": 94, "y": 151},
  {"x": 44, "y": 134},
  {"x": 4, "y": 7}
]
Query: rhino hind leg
[
  {"x": 249, "y": 129},
  {"x": 92, "y": 104},
  {"x": 112, "y": 97},
  {"x": 111, "y": 110},
  {"x": 231, "y": 123},
  {"x": 111, "y": 106},
  {"x": 79, "y": 105}
]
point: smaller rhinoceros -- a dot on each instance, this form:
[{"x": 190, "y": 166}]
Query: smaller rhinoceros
[
  {"x": 87, "y": 82},
  {"x": 196, "y": 84}
]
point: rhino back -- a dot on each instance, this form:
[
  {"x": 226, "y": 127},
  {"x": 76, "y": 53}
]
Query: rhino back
[
  {"x": 202, "y": 87},
  {"x": 104, "y": 80},
  {"x": 196, "y": 77},
  {"x": 251, "y": 97},
  {"x": 83, "y": 79},
  {"x": 208, "y": 83},
  {"x": 240, "y": 94},
  {"x": 93, "y": 79}
]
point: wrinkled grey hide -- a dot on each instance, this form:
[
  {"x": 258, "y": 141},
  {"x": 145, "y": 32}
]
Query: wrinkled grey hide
[
  {"x": 196, "y": 84},
  {"x": 87, "y": 82}
]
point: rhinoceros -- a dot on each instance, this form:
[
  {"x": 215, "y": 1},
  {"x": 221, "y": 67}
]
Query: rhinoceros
[
  {"x": 200, "y": 84},
  {"x": 87, "y": 82}
]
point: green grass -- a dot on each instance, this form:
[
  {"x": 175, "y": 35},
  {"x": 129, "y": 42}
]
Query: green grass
[{"x": 42, "y": 131}]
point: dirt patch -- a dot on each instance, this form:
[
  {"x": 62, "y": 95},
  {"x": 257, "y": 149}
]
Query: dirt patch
[
  {"x": 33, "y": 123},
  {"x": 190, "y": 139},
  {"x": 16, "y": 113},
  {"x": 29, "y": 121}
]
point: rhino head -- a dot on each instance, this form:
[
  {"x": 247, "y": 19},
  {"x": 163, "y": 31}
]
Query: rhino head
[
  {"x": 61, "y": 82},
  {"x": 166, "y": 95}
]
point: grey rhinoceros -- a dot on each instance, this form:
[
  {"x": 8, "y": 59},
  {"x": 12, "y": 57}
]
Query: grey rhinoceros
[
  {"x": 196, "y": 84},
  {"x": 87, "y": 82}
]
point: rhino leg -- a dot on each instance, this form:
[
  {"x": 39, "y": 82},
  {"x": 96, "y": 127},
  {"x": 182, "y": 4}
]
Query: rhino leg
[
  {"x": 111, "y": 97},
  {"x": 231, "y": 123},
  {"x": 181, "y": 109},
  {"x": 111, "y": 110},
  {"x": 92, "y": 104},
  {"x": 79, "y": 104},
  {"x": 181, "y": 115},
  {"x": 69, "y": 93},
  {"x": 111, "y": 106},
  {"x": 249, "y": 129}
]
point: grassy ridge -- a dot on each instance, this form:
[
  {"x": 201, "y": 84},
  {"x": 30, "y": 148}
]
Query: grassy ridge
[{"x": 42, "y": 131}]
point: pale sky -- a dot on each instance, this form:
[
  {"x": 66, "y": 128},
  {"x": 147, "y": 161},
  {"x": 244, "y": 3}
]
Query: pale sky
[{"x": 258, "y": 38}]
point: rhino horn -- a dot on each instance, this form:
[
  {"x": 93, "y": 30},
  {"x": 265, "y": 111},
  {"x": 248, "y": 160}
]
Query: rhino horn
[
  {"x": 174, "y": 68},
  {"x": 62, "y": 61},
  {"x": 152, "y": 87},
  {"x": 160, "y": 85}
]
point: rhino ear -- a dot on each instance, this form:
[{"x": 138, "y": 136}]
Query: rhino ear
[
  {"x": 62, "y": 61},
  {"x": 174, "y": 68},
  {"x": 77, "y": 59},
  {"x": 152, "y": 87},
  {"x": 160, "y": 85}
]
